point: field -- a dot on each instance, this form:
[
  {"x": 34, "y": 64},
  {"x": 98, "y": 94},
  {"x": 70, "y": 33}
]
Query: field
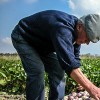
[{"x": 12, "y": 76}]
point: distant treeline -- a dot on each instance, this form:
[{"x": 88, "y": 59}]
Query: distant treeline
[
  {"x": 82, "y": 55},
  {"x": 89, "y": 55},
  {"x": 8, "y": 54}
]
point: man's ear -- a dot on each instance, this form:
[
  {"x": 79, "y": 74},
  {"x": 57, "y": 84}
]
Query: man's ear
[{"x": 79, "y": 26}]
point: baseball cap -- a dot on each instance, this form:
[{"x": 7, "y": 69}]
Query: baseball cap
[{"x": 91, "y": 23}]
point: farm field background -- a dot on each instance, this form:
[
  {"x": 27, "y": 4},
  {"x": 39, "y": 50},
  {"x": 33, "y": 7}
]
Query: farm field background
[{"x": 12, "y": 75}]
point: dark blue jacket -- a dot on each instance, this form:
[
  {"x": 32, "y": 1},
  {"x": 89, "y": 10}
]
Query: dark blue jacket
[{"x": 53, "y": 31}]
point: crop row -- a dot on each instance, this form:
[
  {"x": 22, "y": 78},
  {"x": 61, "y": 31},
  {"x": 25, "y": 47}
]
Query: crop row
[{"x": 12, "y": 75}]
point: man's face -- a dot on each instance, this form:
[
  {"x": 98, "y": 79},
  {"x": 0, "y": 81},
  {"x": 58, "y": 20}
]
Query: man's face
[{"x": 82, "y": 36}]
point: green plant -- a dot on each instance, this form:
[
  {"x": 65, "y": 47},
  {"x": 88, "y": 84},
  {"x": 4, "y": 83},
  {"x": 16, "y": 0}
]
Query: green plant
[{"x": 12, "y": 75}]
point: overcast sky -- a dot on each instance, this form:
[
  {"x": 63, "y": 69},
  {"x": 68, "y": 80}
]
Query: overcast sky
[{"x": 11, "y": 11}]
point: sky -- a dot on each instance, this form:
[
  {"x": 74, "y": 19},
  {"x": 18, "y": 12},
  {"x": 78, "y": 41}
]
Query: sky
[{"x": 11, "y": 11}]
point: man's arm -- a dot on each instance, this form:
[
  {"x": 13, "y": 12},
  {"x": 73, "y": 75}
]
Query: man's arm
[{"x": 80, "y": 78}]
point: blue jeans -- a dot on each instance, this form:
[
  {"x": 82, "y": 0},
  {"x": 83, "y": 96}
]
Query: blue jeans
[{"x": 35, "y": 65}]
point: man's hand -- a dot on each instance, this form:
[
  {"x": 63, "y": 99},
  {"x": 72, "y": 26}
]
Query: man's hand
[
  {"x": 81, "y": 79},
  {"x": 80, "y": 88},
  {"x": 95, "y": 93}
]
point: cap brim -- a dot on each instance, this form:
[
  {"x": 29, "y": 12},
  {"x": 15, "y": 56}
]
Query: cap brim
[{"x": 94, "y": 40}]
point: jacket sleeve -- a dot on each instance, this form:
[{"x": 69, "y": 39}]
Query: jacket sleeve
[
  {"x": 77, "y": 51},
  {"x": 62, "y": 40}
]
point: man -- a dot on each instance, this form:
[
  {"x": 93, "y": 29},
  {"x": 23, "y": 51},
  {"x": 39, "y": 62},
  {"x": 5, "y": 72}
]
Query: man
[{"x": 37, "y": 38}]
